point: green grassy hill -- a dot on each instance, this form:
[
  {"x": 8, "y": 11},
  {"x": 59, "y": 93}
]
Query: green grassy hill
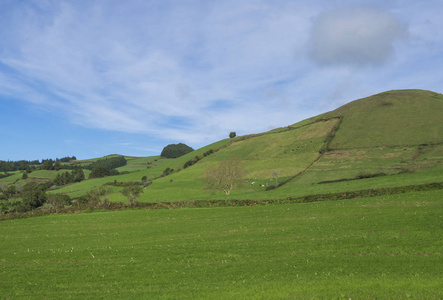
[
  {"x": 397, "y": 134},
  {"x": 394, "y": 118}
]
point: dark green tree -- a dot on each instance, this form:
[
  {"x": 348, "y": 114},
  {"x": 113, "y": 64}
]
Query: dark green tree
[
  {"x": 57, "y": 165},
  {"x": 47, "y": 164},
  {"x": 232, "y": 134},
  {"x": 78, "y": 175},
  {"x": 175, "y": 150},
  {"x": 109, "y": 163},
  {"x": 33, "y": 196},
  {"x": 99, "y": 171},
  {"x": 9, "y": 192}
]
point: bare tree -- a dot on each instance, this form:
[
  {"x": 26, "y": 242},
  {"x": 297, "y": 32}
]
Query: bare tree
[
  {"x": 226, "y": 176},
  {"x": 275, "y": 175}
]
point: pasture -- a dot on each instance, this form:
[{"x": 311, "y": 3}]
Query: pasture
[{"x": 381, "y": 247}]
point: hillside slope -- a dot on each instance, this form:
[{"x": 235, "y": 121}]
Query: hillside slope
[
  {"x": 392, "y": 133},
  {"x": 396, "y": 133},
  {"x": 402, "y": 117}
]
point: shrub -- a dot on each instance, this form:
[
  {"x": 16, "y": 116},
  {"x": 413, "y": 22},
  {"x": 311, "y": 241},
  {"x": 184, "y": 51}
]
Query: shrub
[
  {"x": 191, "y": 162},
  {"x": 271, "y": 187},
  {"x": 167, "y": 171},
  {"x": 55, "y": 202}
]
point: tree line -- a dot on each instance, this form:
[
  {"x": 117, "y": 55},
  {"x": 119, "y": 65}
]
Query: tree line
[
  {"x": 45, "y": 164},
  {"x": 34, "y": 197}
]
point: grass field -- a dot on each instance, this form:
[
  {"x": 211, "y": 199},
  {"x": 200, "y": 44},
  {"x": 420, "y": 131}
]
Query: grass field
[{"x": 383, "y": 247}]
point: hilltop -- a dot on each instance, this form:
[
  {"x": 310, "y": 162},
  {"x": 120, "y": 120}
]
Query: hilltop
[
  {"x": 385, "y": 140},
  {"x": 394, "y": 118}
]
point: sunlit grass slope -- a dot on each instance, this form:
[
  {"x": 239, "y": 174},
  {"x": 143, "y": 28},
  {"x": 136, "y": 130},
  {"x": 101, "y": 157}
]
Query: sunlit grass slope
[
  {"x": 394, "y": 118},
  {"x": 138, "y": 168},
  {"x": 386, "y": 247},
  {"x": 280, "y": 154},
  {"x": 398, "y": 134}
]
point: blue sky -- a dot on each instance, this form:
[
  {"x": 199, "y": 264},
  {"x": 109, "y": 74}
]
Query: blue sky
[{"x": 97, "y": 77}]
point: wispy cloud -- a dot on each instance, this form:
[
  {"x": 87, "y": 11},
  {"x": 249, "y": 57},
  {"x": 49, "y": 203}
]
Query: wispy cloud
[{"x": 194, "y": 70}]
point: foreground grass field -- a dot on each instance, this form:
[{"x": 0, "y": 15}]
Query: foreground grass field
[{"x": 381, "y": 247}]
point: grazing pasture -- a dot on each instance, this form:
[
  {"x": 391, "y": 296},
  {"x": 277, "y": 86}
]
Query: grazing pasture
[{"x": 379, "y": 247}]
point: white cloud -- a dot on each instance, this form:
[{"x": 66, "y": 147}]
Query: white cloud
[
  {"x": 129, "y": 72},
  {"x": 355, "y": 36}
]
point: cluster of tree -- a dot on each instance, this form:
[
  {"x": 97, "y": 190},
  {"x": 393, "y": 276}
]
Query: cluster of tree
[
  {"x": 109, "y": 163},
  {"x": 33, "y": 195},
  {"x": 102, "y": 171},
  {"x": 8, "y": 193},
  {"x": 48, "y": 164},
  {"x": 66, "y": 159},
  {"x": 76, "y": 175},
  {"x": 175, "y": 150},
  {"x": 7, "y": 166},
  {"x": 45, "y": 164},
  {"x": 106, "y": 167}
]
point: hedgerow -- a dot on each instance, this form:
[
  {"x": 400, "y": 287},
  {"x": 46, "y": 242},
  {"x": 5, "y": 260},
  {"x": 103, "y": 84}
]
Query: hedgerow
[{"x": 111, "y": 206}]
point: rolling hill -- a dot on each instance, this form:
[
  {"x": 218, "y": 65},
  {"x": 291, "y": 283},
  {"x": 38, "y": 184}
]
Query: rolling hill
[{"x": 389, "y": 139}]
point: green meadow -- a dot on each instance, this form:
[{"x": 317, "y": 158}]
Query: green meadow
[{"x": 387, "y": 247}]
